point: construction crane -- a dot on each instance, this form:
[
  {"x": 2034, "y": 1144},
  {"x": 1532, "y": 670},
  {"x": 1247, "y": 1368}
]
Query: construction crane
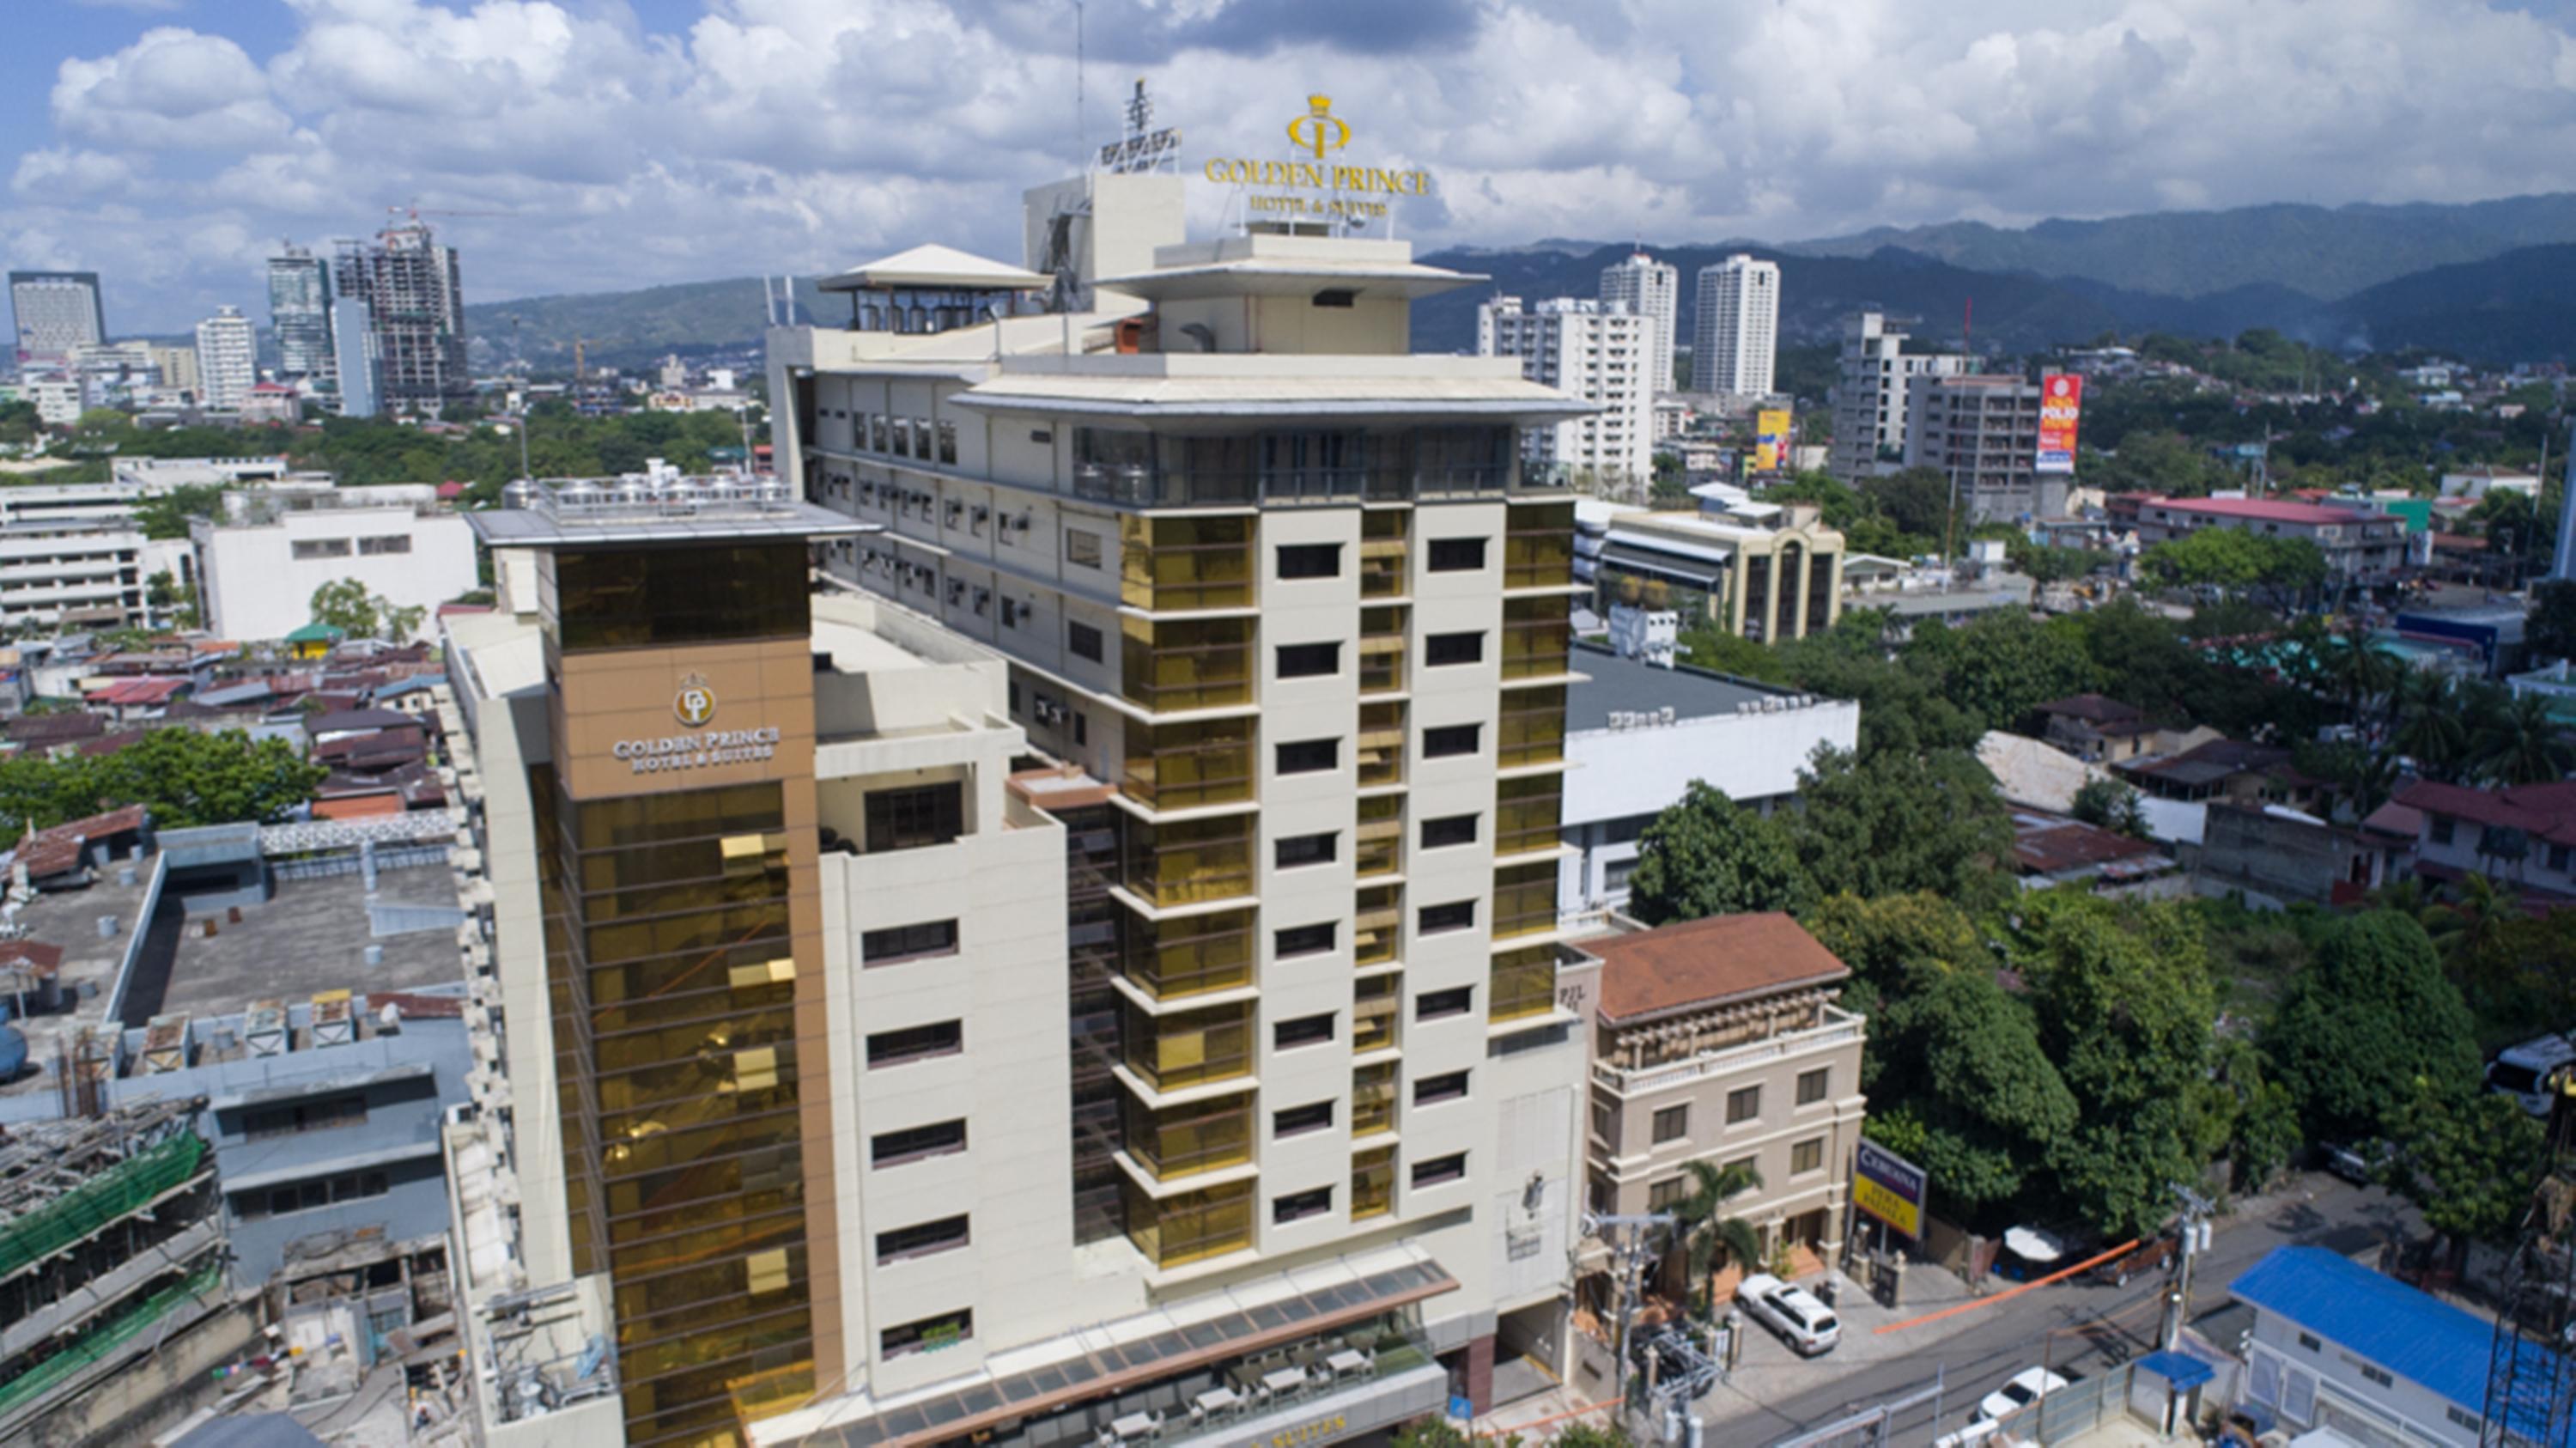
[{"x": 2531, "y": 1380}]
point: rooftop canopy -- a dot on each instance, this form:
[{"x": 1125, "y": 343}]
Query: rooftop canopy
[{"x": 934, "y": 267}]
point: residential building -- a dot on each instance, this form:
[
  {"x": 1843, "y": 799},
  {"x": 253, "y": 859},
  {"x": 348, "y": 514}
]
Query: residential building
[
  {"x": 1765, "y": 571},
  {"x": 2361, "y": 548},
  {"x": 1637, "y": 735},
  {"x": 1982, "y": 433},
  {"x": 1651, "y": 289},
  {"x": 1597, "y": 351},
  {"x": 2222, "y": 768},
  {"x": 73, "y": 574},
  {"x": 2274, "y": 856},
  {"x": 2338, "y": 1347},
  {"x": 2053, "y": 850},
  {"x": 356, "y": 358},
  {"x": 299, "y": 313},
  {"x": 1875, "y": 393},
  {"x": 2521, "y": 836},
  {"x": 178, "y": 368},
  {"x": 57, "y": 400},
  {"x": 1719, "y": 1040},
  {"x": 227, "y": 360},
  {"x": 1735, "y": 335},
  {"x": 272, "y": 403},
  {"x": 53, "y": 312},
  {"x": 2097, "y": 728},
  {"x": 415, "y": 300},
  {"x": 115, "y": 374},
  {"x": 258, "y": 567}
]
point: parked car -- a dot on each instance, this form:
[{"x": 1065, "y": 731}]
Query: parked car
[
  {"x": 2027, "y": 1387},
  {"x": 2522, "y": 1071},
  {"x": 2358, "y": 1162},
  {"x": 1807, "y": 1325},
  {"x": 2151, "y": 1255}
]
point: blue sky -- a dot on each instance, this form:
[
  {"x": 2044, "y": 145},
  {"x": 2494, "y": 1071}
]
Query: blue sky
[{"x": 170, "y": 143}]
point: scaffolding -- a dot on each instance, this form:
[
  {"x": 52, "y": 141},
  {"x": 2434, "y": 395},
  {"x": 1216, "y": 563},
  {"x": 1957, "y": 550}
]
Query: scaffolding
[
  {"x": 2531, "y": 1379},
  {"x": 63, "y": 1182}
]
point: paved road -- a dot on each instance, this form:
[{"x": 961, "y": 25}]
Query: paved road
[{"x": 2080, "y": 1326}]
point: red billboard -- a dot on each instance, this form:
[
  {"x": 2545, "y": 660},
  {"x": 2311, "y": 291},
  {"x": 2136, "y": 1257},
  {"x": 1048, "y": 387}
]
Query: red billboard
[{"x": 2061, "y": 398}]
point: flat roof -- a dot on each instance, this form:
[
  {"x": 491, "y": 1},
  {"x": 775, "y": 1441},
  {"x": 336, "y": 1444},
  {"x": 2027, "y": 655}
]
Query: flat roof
[
  {"x": 312, "y": 936},
  {"x": 540, "y": 528},
  {"x": 69, "y": 918},
  {"x": 1321, "y": 393},
  {"x": 1633, "y": 686}
]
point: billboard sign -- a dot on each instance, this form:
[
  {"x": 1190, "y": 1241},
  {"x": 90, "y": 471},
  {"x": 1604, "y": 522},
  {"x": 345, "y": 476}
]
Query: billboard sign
[
  {"x": 2061, "y": 398},
  {"x": 1890, "y": 1188},
  {"x": 1770, "y": 441}
]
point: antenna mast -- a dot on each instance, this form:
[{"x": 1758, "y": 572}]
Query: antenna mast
[{"x": 1081, "y": 149}]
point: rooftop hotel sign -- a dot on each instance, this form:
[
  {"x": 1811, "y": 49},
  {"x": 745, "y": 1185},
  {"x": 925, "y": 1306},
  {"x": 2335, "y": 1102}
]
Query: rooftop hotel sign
[{"x": 1323, "y": 186}]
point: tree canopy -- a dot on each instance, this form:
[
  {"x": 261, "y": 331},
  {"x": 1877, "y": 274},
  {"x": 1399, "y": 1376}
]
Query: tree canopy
[
  {"x": 185, "y": 777},
  {"x": 2369, "y": 1018},
  {"x": 1708, "y": 855}
]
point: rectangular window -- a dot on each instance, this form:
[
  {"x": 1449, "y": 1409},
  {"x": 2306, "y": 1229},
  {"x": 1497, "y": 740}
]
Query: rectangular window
[
  {"x": 929, "y": 1334},
  {"x": 1303, "y": 940},
  {"x": 2380, "y": 1376},
  {"x": 1298, "y": 1205},
  {"x": 948, "y": 442},
  {"x": 918, "y": 1043},
  {"x": 303, "y": 1116},
  {"x": 1672, "y": 1124},
  {"x": 2445, "y": 829},
  {"x": 1434, "y": 1005},
  {"x": 1451, "y": 740},
  {"x": 1310, "y": 560},
  {"x": 1807, "y": 1156},
  {"x": 1310, "y": 756},
  {"x": 1297, "y": 850},
  {"x": 908, "y": 942},
  {"x": 1448, "y": 830},
  {"x": 1812, "y": 1085},
  {"x": 2558, "y": 858},
  {"x": 917, "y": 1143},
  {"x": 1303, "y": 1031},
  {"x": 945, "y": 1235},
  {"x": 907, "y": 819},
  {"x": 1308, "y": 661},
  {"x": 1434, "y": 919},
  {"x": 306, "y": 548},
  {"x": 1456, "y": 555},
  {"x": 1432, "y": 1090},
  {"x": 1667, "y": 1194},
  {"x": 1441, "y": 650},
  {"x": 1081, "y": 548},
  {"x": 1440, "y": 1169},
  {"x": 1298, "y": 1120},
  {"x": 385, "y": 543},
  {"x": 2310, "y": 1342},
  {"x": 1743, "y": 1104},
  {"x": 1083, "y": 640}
]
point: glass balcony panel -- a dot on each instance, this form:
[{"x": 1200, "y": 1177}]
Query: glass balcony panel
[
  {"x": 1376, "y": 1004},
  {"x": 1185, "y": 863},
  {"x": 1169, "y": 665},
  {"x": 1536, "y": 635},
  {"x": 1170, "y": 565},
  {"x": 1527, "y": 814},
  {"x": 1538, "y": 546},
  {"x": 1381, "y": 745},
  {"x": 1187, "y": 1140},
  {"x": 1373, "y": 1099},
  {"x": 1372, "y": 1183},
  {"x": 1523, "y": 984},
  {"x": 1377, "y": 924},
  {"x": 1184, "y": 766},
  {"x": 1379, "y": 838},
  {"x": 1194, "y": 1049},
  {"x": 1524, "y": 900},
  {"x": 1190, "y": 1227},
  {"x": 1532, "y": 728}
]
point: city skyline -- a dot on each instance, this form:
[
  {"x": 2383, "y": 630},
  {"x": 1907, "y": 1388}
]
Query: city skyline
[{"x": 633, "y": 142}]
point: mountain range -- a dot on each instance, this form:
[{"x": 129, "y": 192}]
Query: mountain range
[{"x": 2494, "y": 281}]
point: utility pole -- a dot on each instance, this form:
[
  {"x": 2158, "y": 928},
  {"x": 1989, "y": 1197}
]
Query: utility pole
[
  {"x": 527, "y": 403},
  {"x": 2194, "y": 1239}
]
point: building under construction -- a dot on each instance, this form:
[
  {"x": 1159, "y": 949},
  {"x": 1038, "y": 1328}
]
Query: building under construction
[
  {"x": 416, "y": 312},
  {"x": 116, "y": 1301}
]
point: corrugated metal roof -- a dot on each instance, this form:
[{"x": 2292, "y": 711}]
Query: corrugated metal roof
[{"x": 2415, "y": 1336}]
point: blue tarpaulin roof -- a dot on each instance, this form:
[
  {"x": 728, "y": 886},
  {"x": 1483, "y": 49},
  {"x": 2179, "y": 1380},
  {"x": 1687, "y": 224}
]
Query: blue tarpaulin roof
[
  {"x": 2380, "y": 1318},
  {"x": 2178, "y": 1368}
]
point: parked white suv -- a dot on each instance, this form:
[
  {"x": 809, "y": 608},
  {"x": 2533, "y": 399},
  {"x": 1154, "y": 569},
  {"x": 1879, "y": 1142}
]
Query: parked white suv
[
  {"x": 1806, "y": 1324},
  {"x": 2027, "y": 1387}
]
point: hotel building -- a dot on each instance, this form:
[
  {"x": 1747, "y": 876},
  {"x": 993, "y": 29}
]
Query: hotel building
[{"x": 1092, "y": 969}]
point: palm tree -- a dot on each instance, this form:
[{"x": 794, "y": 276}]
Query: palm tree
[
  {"x": 2432, "y": 727},
  {"x": 2361, "y": 673},
  {"x": 1708, "y": 1234},
  {"x": 2463, "y": 924},
  {"x": 2521, "y": 745}
]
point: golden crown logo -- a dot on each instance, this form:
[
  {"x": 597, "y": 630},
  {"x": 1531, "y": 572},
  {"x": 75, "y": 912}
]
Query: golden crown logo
[
  {"x": 695, "y": 704},
  {"x": 1319, "y": 130}
]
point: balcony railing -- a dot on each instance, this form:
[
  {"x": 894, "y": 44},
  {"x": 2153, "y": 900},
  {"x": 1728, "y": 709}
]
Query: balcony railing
[{"x": 1841, "y": 1027}]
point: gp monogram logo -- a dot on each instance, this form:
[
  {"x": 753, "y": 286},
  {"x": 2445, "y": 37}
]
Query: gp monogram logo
[
  {"x": 1319, "y": 130},
  {"x": 695, "y": 704}
]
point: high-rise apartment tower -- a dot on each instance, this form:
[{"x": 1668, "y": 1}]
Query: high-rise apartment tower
[
  {"x": 227, "y": 359},
  {"x": 299, "y": 312},
  {"x": 416, "y": 308},
  {"x": 54, "y": 312},
  {"x": 1651, "y": 289},
  {"x": 1736, "y": 336},
  {"x": 1598, "y": 351}
]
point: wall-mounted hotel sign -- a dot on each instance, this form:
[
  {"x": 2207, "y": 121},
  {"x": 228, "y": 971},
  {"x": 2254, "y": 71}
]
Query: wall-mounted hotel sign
[
  {"x": 1321, "y": 186},
  {"x": 695, "y": 705}
]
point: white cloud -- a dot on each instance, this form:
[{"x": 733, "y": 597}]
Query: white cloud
[{"x": 801, "y": 134}]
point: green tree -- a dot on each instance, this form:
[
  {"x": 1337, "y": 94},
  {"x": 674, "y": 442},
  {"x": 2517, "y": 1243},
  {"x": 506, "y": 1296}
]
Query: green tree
[
  {"x": 2112, "y": 805},
  {"x": 2521, "y": 745},
  {"x": 186, "y": 778},
  {"x": 1975, "y": 1100},
  {"x": 2369, "y": 1017},
  {"x": 2432, "y": 729},
  {"x": 1916, "y": 500},
  {"x": 1892, "y": 939},
  {"x": 347, "y": 606},
  {"x": 1892, "y": 823},
  {"x": 1430, "y": 1432},
  {"x": 167, "y": 515},
  {"x": 2003, "y": 665},
  {"x": 2551, "y": 632},
  {"x": 2469, "y": 1161},
  {"x": 2235, "y": 561},
  {"x": 1710, "y": 1235},
  {"x": 1708, "y": 855},
  {"x": 1593, "y": 1435},
  {"x": 19, "y": 423}
]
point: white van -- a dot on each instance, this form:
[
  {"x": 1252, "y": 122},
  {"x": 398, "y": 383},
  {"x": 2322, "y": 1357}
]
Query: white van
[{"x": 2522, "y": 1072}]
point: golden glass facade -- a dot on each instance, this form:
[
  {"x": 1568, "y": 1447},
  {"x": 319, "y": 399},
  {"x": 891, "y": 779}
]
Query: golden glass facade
[
  {"x": 1523, "y": 983},
  {"x": 1377, "y": 1007},
  {"x": 1377, "y": 924},
  {"x": 1536, "y": 634},
  {"x": 1372, "y": 1183},
  {"x": 1373, "y": 1098},
  {"x": 1184, "y": 1141},
  {"x": 1538, "y": 546},
  {"x": 1381, "y": 744},
  {"x": 1524, "y": 899},
  {"x": 1171, "y": 665},
  {"x": 1171, "y": 564},
  {"x": 1191, "y": 1227},
  {"x": 1532, "y": 727},
  {"x": 1527, "y": 813},
  {"x": 1382, "y": 552},
  {"x": 1185, "y": 766},
  {"x": 1189, "y": 862},
  {"x": 1382, "y": 649},
  {"x": 1193, "y": 955},
  {"x": 1194, "y": 1048},
  {"x": 1378, "y": 844}
]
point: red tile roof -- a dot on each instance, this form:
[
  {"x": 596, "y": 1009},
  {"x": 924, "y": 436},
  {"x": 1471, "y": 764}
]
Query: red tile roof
[
  {"x": 2262, "y": 510},
  {"x": 2543, "y": 811},
  {"x": 2049, "y": 845},
  {"x": 1707, "y": 962},
  {"x": 125, "y": 692}
]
